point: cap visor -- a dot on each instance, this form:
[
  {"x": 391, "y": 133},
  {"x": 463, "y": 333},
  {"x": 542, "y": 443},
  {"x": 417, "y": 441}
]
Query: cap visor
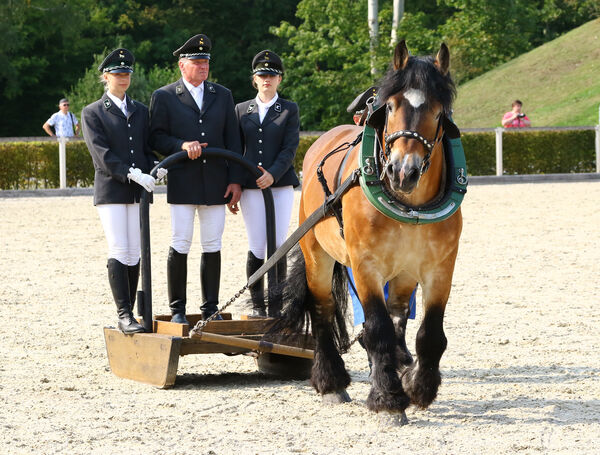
[
  {"x": 262, "y": 72},
  {"x": 120, "y": 70}
]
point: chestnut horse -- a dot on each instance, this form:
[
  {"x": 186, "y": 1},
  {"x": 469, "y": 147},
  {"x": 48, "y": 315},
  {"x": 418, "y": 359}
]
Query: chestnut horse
[{"x": 416, "y": 97}]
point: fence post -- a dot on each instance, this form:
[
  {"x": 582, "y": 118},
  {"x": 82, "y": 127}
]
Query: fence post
[
  {"x": 597, "y": 148},
  {"x": 62, "y": 160},
  {"x": 499, "y": 168}
]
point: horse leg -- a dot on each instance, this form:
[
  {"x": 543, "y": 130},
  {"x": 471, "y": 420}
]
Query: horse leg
[
  {"x": 380, "y": 340},
  {"x": 398, "y": 305},
  {"x": 422, "y": 379},
  {"x": 329, "y": 376}
]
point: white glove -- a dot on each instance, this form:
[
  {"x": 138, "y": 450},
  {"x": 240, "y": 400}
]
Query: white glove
[
  {"x": 160, "y": 173},
  {"x": 144, "y": 180}
]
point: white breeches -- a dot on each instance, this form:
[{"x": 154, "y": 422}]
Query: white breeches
[
  {"x": 253, "y": 210},
  {"x": 121, "y": 224},
  {"x": 212, "y": 225}
]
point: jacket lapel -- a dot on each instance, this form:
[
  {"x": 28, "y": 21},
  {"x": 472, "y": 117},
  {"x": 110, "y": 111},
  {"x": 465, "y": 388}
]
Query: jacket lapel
[
  {"x": 185, "y": 96},
  {"x": 252, "y": 113},
  {"x": 111, "y": 107},
  {"x": 131, "y": 107},
  {"x": 208, "y": 97},
  {"x": 273, "y": 112}
]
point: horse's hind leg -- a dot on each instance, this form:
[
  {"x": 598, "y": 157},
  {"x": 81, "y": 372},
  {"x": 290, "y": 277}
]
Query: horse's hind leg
[
  {"x": 329, "y": 376},
  {"x": 422, "y": 379},
  {"x": 398, "y": 305}
]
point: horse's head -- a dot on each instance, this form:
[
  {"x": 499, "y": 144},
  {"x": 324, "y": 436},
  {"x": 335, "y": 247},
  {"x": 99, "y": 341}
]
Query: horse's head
[{"x": 417, "y": 94}]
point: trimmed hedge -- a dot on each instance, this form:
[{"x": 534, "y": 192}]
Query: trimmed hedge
[
  {"x": 31, "y": 165},
  {"x": 531, "y": 152},
  {"x": 528, "y": 152}
]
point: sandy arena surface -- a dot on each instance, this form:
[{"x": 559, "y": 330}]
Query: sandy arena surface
[{"x": 521, "y": 373}]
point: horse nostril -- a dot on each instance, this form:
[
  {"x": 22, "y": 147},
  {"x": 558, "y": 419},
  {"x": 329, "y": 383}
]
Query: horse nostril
[
  {"x": 412, "y": 175},
  {"x": 389, "y": 169}
]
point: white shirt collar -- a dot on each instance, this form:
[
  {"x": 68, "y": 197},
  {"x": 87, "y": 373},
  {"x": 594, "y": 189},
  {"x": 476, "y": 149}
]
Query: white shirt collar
[
  {"x": 266, "y": 105},
  {"x": 117, "y": 101},
  {"x": 193, "y": 90}
]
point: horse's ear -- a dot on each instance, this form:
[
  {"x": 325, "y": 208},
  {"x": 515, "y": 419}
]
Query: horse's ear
[
  {"x": 442, "y": 59},
  {"x": 400, "y": 55}
]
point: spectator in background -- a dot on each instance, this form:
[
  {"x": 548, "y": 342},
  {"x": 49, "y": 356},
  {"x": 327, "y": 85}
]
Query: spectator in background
[
  {"x": 65, "y": 124},
  {"x": 515, "y": 118}
]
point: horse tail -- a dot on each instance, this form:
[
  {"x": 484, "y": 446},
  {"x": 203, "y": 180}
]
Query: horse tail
[
  {"x": 339, "y": 289},
  {"x": 299, "y": 306}
]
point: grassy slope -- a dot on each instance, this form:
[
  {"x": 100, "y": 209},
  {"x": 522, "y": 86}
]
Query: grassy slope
[{"x": 559, "y": 84}]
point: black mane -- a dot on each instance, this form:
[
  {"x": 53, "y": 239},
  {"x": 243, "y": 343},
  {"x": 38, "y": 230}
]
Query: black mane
[{"x": 420, "y": 73}]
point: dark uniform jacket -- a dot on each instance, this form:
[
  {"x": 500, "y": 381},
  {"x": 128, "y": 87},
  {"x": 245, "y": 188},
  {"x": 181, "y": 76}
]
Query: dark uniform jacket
[
  {"x": 271, "y": 144},
  {"x": 175, "y": 119},
  {"x": 117, "y": 143}
]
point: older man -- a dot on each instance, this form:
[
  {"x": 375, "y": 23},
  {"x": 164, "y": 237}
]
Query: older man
[
  {"x": 190, "y": 114},
  {"x": 65, "y": 124}
]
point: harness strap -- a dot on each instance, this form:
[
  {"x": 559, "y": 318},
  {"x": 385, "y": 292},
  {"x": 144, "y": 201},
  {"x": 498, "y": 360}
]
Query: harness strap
[
  {"x": 308, "y": 224},
  {"x": 337, "y": 207}
]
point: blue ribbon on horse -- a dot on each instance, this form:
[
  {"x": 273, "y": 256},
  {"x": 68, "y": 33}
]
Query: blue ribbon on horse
[{"x": 359, "y": 315}]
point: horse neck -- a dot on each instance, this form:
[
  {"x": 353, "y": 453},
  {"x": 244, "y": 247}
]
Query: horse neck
[{"x": 430, "y": 183}]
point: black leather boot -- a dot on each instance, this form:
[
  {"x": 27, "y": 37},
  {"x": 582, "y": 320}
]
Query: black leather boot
[
  {"x": 133, "y": 273},
  {"x": 257, "y": 290},
  {"x": 275, "y": 302},
  {"x": 210, "y": 278},
  {"x": 119, "y": 284},
  {"x": 176, "y": 285}
]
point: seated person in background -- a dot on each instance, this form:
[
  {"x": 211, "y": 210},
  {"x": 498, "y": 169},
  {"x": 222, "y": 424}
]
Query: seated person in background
[{"x": 515, "y": 118}]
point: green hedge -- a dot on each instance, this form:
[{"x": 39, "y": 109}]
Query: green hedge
[
  {"x": 530, "y": 152},
  {"x": 31, "y": 165}
]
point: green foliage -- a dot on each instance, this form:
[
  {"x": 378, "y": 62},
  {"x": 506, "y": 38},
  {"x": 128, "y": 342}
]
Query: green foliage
[
  {"x": 327, "y": 66},
  {"x": 143, "y": 82},
  {"x": 531, "y": 152},
  {"x": 32, "y": 165}
]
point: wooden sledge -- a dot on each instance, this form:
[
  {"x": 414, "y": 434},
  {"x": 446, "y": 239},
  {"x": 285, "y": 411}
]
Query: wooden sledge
[{"x": 152, "y": 358}]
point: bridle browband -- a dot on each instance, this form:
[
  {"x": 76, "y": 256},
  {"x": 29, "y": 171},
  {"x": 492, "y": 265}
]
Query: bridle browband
[{"x": 429, "y": 145}]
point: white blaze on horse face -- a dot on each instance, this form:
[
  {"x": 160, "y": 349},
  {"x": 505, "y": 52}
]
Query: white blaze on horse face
[{"x": 415, "y": 97}]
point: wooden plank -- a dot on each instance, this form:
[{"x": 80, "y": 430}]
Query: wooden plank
[
  {"x": 225, "y": 327},
  {"x": 236, "y": 327},
  {"x": 144, "y": 357},
  {"x": 192, "y": 318},
  {"x": 258, "y": 345}
]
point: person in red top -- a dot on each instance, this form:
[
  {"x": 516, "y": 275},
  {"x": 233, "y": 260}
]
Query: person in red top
[{"x": 515, "y": 118}]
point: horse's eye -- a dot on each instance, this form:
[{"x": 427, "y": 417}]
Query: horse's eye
[{"x": 390, "y": 107}]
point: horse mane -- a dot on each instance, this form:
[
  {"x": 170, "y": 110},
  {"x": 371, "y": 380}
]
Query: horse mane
[{"x": 420, "y": 73}]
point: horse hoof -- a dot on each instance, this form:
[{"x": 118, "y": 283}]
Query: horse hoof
[
  {"x": 336, "y": 397},
  {"x": 393, "y": 419}
]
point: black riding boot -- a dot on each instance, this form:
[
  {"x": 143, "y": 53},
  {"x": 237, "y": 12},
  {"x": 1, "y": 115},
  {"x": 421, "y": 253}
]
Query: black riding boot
[
  {"x": 210, "y": 278},
  {"x": 119, "y": 284},
  {"x": 133, "y": 273},
  {"x": 176, "y": 285},
  {"x": 275, "y": 302},
  {"x": 257, "y": 290}
]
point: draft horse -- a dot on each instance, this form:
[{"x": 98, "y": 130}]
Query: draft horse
[{"x": 416, "y": 97}]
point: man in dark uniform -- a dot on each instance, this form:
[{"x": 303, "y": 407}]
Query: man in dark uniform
[{"x": 187, "y": 115}]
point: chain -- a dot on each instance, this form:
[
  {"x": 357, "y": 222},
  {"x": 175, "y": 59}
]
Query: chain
[
  {"x": 355, "y": 339},
  {"x": 202, "y": 323}
]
